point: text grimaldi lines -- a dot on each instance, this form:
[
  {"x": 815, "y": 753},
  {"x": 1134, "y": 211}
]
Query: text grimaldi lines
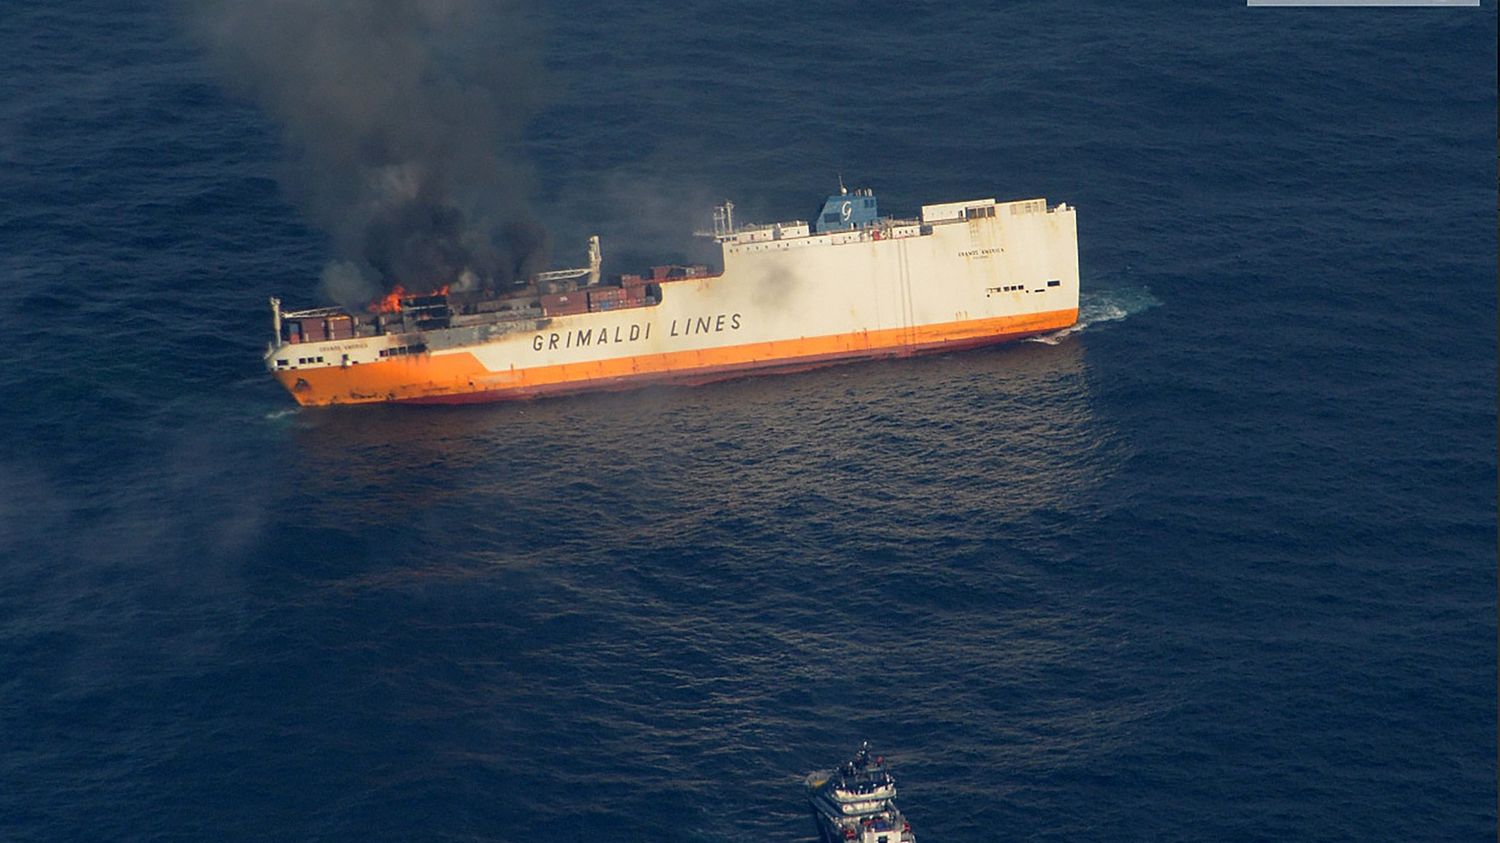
[{"x": 634, "y": 332}]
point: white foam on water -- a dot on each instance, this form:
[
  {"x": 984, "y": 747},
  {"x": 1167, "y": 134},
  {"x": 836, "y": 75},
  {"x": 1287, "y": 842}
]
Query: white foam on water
[{"x": 1099, "y": 306}]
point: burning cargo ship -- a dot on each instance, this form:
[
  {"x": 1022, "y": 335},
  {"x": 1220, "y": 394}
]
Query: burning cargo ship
[{"x": 790, "y": 296}]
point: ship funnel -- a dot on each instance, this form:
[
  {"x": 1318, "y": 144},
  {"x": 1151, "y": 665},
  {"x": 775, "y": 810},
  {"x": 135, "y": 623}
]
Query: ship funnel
[{"x": 596, "y": 259}]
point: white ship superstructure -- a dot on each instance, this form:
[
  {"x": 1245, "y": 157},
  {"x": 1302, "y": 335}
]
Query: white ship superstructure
[{"x": 857, "y": 803}]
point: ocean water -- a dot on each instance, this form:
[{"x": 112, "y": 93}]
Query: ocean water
[{"x": 1217, "y": 564}]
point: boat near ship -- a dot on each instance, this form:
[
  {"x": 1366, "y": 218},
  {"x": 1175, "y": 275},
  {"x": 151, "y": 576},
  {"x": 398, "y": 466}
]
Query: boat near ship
[
  {"x": 790, "y": 296},
  {"x": 857, "y": 803}
]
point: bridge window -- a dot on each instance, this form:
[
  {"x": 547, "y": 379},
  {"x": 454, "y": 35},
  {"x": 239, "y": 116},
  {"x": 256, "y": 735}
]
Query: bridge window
[{"x": 403, "y": 349}]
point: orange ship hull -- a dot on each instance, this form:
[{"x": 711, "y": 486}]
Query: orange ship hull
[{"x": 459, "y": 377}]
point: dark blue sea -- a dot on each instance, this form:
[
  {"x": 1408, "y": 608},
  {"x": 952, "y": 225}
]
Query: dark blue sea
[{"x": 1219, "y": 564}]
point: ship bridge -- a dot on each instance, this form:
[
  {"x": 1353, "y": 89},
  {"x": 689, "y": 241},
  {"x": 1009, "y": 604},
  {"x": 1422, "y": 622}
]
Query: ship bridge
[{"x": 844, "y": 210}]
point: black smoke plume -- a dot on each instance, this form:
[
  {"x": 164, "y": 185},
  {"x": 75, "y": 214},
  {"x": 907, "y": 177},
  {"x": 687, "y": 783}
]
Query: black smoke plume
[{"x": 404, "y": 119}]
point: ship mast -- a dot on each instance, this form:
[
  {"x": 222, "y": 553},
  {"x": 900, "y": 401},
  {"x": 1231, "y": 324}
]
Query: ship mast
[{"x": 724, "y": 219}]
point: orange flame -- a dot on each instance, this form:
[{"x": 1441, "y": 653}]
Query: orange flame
[{"x": 391, "y": 302}]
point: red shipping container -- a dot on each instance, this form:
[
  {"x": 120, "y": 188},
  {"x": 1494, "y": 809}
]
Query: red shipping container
[
  {"x": 340, "y": 328},
  {"x": 557, "y": 300},
  {"x": 659, "y": 273},
  {"x": 565, "y": 304}
]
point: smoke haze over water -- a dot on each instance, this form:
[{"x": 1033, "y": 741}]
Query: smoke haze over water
[{"x": 403, "y": 120}]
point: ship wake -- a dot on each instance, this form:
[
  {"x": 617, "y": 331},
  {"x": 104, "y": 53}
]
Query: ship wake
[{"x": 1096, "y": 307}]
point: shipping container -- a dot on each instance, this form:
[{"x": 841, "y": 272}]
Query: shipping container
[
  {"x": 565, "y": 304},
  {"x": 339, "y": 328},
  {"x": 556, "y": 300}
]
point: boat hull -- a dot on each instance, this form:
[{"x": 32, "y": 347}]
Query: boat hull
[
  {"x": 973, "y": 274},
  {"x": 461, "y": 378}
]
